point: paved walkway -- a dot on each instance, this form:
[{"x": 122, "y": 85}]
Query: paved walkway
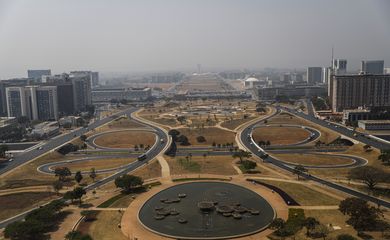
[{"x": 132, "y": 228}]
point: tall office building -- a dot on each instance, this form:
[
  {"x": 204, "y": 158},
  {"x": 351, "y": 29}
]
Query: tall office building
[
  {"x": 37, "y": 74},
  {"x": 339, "y": 66},
  {"x": 16, "y": 102},
  {"x": 46, "y": 102},
  {"x": 314, "y": 75},
  {"x": 365, "y": 90},
  {"x": 81, "y": 91},
  {"x": 93, "y": 76},
  {"x": 372, "y": 67},
  {"x": 34, "y": 102}
]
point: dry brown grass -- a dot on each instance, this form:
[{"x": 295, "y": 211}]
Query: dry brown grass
[
  {"x": 327, "y": 135},
  {"x": 313, "y": 159},
  {"x": 211, "y": 134},
  {"x": 13, "y": 204},
  {"x": 232, "y": 124},
  {"x": 221, "y": 165},
  {"x": 125, "y": 139},
  {"x": 280, "y": 135},
  {"x": 98, "y": 164},
  {"x": 150, "y": 171},
  {"x": 334, "y": 217},
  {"x": 104, "y": 227},
  {"x": 27, "y": 175},
  {"x": 303, "y": 194}
]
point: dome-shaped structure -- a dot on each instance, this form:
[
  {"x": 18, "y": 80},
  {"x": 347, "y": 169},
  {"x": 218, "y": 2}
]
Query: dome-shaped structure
[{"x": 252, "y": 79}]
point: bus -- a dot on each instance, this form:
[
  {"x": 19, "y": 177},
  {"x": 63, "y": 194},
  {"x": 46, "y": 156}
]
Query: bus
[{"x": 142, "y": 157}]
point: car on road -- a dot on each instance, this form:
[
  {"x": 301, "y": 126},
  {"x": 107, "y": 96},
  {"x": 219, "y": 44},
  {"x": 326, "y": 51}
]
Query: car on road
[
  {"x": 10, "y": 160},
  {"x": 142, "y": 157},
  {"x": 162, "y": 140}
]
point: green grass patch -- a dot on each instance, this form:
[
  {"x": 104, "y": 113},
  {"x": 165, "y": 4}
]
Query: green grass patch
[{"x": 111, "y": 201}]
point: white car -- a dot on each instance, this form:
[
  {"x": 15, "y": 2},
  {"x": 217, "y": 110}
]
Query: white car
[{"x": 10, "y": 160}]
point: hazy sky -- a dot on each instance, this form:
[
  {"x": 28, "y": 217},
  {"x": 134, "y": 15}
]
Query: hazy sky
[{"x": 159, "y": 35}]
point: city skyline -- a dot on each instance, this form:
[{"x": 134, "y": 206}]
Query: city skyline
[{"x": 136, "y": 36}]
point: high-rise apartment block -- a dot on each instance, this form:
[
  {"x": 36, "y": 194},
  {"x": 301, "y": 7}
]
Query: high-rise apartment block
[{"x": 365, "y": 90}]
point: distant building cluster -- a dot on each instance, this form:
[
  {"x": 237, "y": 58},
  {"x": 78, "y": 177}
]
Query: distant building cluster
[
  {"x": 124, "y": 93},
  {"x": 44, "y": 97}
]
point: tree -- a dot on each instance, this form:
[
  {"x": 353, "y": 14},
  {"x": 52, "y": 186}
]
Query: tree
[
  {"x": 92, "y": 174},
  {"x": 310, "y": 223},
  {"x": 200, "y": 139},
  {"x": 277, "y": 224},
  {"x": 62, "y": 173},
  {"x": 362, "y": 216},
  {"x": 89, "y": 215},
  {"x": 385, "y": 156},
  {"x": 128, "y": 182},
  {"x": 366, "y": 147},
  {"x": 247, "y": 164},
  {"x": 27, "y": 230},
  {"x": 181, "y": 119},
  {"x": 298, "y": 170},
  {"x": 241, "y": 154},
  {"x": 57, "y": 186},
  {"x": 78, "y": 177},
  {"x": 174, "y": 134},
  {"x": 370, "y": 176},
  {"x": 3, "y": 149},
  {"x": 83, "y": 138},
  {"x": 345, "y": 237},
  {"x": 69, "y": 195},
  {"x": 79, "y": 192},
  {"x": 320, "y": 230},
  {"x": 76, "y": 235}
]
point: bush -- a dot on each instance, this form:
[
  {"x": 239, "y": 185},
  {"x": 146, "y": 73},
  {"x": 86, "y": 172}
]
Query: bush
[
  {"x": 68, "y": 148},
  {"x": 247, "y": 164},
  {"x": 200, "y": 139},
  {"x": 345, "y": 237}
]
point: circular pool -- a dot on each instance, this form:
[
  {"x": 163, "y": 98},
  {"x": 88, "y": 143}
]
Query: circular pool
[{"x": 206, "y": 210}]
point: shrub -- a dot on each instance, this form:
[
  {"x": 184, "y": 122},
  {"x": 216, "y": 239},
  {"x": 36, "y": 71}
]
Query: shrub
[
  {"x": 247, "y": 164},
  {"x": 200, "y": 139},
  {"x": 345, "y": 237}
]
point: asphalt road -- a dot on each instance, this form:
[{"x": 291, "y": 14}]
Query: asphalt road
[
  {"x": 54, "y": 143},
  {"x": 246, "y": 139},
  {"x": 337, "y": 128}
]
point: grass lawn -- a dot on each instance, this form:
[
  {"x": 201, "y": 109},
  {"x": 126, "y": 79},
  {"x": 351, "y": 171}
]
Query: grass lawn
[
  {"x": 151, "y": 170},
  {"x": 312, "y": 159},
  {"x": 303, "y": 194},
  {"x": 211, "y": 135},
  {"x": 125, "y": 139},
  {"x": 334, "y": 217},
  {"x": 13, "y": 204},
  {"x": 98, "y": 164},
  {"x": 280, "y": 135},
  {"x": 221, "y": 165},
  {"x": 104, "y": 227}
]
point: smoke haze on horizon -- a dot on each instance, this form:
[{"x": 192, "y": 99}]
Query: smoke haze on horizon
[{"x": 139, "y": 35}]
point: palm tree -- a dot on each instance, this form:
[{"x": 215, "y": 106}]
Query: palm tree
[{"x": 241, "y": 154}]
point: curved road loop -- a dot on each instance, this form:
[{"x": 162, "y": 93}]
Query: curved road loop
[{"x": 245, "y": 137}]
